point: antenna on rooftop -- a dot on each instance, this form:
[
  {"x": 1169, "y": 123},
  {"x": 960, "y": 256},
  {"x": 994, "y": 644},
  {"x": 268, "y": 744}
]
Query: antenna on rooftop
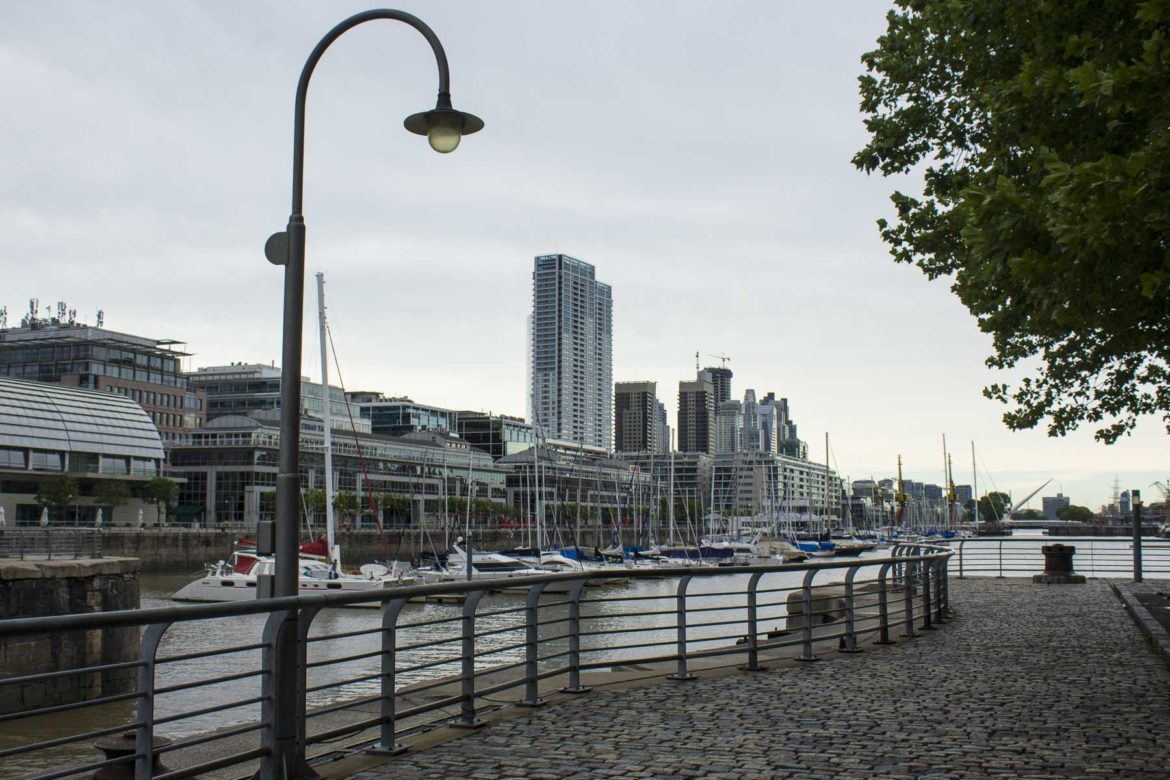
[
  {"x": 61, "y": 309},
  {"x": 101, "y": 318},
  {"x": 3, "y": 317},
  {"x": 697, "y": 369}
]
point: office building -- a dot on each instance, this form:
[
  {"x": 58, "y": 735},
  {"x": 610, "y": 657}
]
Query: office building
[
  {"x": 964, "y": 494},
  {"x": 93, "y": 436},
  {"x": 662, "y": 431},
  {"x": 400, "y": 416},
  {"x": 498, "y": 435},
  {"x": 1053, "y": 504},
  {"x": 635, "y": 423},
  {"x": 60, "y": 350},
  {"x": 696, "y": 416},
  {"x": 571, "y": 352},
  {"x": 728, "y": 426},
  {"x": 243, "y": 388}
]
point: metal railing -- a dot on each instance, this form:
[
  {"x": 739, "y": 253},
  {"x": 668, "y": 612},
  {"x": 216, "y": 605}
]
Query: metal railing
[
  {"x": 50, "y": 543},
  {"x": 411, "y": 665},
  {"x": 1013, "y": 556}
]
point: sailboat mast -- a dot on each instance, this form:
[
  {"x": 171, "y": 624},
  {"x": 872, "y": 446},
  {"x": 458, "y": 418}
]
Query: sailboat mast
[
  {"x": 975, "y": 486},
  {"x": 826, "y": 512},
  {"x": 330, "y": 542}
]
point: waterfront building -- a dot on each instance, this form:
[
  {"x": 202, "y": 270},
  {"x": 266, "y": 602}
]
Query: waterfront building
[
  {"x": 696, "y": 416},
  {"x": 496, "y": 434},
  {"x": 749, "y": 483},
  {"x": 692, "y": 478},
  {"x": 579, "y": 496},
  {"x": 400, "y": 416},
  {"x": 571, "y": 352},
  {"x": 148, "y": 371},
  {"x": 864, "y": 488},
  {"x": 230, "y": 468},
  {"x": 243, "y": 388},
  {"x": 662, "y": 430},
  {"x": 1053, "y": 504},
  {"x": 635, "y": 425},
  {"x": 93, "y": 436},
  {"x": 964, "y": 494},
  {"x": 728, "y": 427}
]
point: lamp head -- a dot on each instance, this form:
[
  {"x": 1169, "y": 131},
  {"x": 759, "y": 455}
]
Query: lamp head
[{"x": 443, "y": 125}]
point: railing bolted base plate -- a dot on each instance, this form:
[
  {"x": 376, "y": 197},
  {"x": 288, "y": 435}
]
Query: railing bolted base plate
[
  {"x": 682, "y": 677},
  {"x": 578, "y": 689},
  {"x": 381, "y": 751},
  {"x": 464, "y": 724}
]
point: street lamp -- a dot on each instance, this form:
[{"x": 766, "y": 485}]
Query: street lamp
[{"x": 443, "y": 126}]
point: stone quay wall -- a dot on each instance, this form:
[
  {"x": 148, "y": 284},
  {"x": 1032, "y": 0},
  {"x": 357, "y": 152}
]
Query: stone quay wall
[{"x": 61, "y": 587}]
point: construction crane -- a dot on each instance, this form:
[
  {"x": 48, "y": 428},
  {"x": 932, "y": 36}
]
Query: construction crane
[{"x": 721, "y": 358}]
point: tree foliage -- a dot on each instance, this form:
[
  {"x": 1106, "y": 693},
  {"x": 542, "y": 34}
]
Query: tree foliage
[
  {"x": 57, "y": 491},
  {"x": 161, "y": 491},
  {"x": 111, "y": 492},
  {"x": 1080, "y": 514},
  {"x": 993, "y": 507},
  {"x": 1043, "y": 132}
]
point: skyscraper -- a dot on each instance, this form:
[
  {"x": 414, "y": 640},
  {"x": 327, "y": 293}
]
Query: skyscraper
[
  {"x": 571, "y": 360},
  {"x": 635, "y": 428},
  {"x": 696, "y": 416},
  {"x": 721, "y": 379}
]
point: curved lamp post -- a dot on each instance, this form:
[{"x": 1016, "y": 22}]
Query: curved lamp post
[{"x": 443, "y": 126}]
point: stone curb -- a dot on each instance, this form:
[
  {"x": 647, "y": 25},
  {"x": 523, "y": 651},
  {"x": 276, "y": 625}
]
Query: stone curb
[{"x": 1142, "y": 617}]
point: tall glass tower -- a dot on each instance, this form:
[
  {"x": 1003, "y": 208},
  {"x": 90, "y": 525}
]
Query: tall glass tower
[{"x": 571, "y": 352}]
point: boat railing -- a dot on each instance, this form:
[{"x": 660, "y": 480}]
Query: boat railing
[
  {"x": 417, "y": 665},
  {"x": 1102, "y": 556}
]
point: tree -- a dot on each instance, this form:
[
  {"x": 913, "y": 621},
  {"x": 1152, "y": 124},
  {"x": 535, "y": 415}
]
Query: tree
[
  {"x": 57, "y": 491},
  {"x": 993, "y": 507},
  {"x": 1079, "y": 514},
  {"x": 111, "y": 492},
  {"x": 1043, "y": 130},
  {"x": 162, "y": 492},
  {"x": 1030, "y": 514}
]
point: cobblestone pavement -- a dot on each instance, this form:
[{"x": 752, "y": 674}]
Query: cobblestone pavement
[{"x": 1027, "y": 681}]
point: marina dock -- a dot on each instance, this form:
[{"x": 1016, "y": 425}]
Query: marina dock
[{"x": 1024, "y": 681}]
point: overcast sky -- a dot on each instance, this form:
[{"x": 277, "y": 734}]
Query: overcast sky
[{"x": 698, "y": 154}]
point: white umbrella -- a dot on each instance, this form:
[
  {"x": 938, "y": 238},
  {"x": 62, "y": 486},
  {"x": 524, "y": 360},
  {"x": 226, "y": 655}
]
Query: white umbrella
[
  {"x": 45, "y": 517},
  {"x": 3, "y": 521},
  {"x": 141, "y": 520},
  {"x": 98, "y": 522}
]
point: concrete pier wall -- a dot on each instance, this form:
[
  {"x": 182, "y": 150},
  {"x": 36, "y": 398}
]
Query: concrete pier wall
[{"x": 39, "y": 588}]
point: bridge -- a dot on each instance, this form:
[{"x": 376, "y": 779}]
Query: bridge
[{"x": 892, "y": 666}]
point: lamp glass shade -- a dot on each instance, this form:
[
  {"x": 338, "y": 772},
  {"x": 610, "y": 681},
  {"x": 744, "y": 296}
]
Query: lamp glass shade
[{"x": 444, "y": 139}]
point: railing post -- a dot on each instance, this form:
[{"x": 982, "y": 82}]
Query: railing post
[
  {"x": 388, "y": 743},
  {"x": 753, "y": 637},
  {"x": 883, "y": 607},
  {"x": 681, "y": 672},
  {"x": 908, "y": 600},
  {"x": 271, "y": 763},
  {"x": 961, "y": 543},
  {"x": 925, "y": 567},
  {"x": 850, "y": 645},
  {"x": 1000, "y": 559},
  {"x": 303, "y": 624},
  {"x": 575, "y": 685},
  {"x": 532, "y": 647},
  {"x": 144, "y": 734},
  {"x": 467, "y": 717},
  {"x": 806, "y": 653},
  {"x": 940, "y": 586},
  {"x": 1137, "y": 541}
]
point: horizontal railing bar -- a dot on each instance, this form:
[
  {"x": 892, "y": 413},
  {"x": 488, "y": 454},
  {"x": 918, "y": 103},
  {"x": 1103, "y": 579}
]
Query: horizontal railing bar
[
  {"x": 329, "y": 709},
  {"x": 208, "y": 681},
  {"x": 424, "y": 645},
  {"x": 185, "y": 612},
  {"x": 438, "y": 704},
  {"x": 494, "y": 670},
  {"x": 498, "y": 650},
  {"x": 651, "y": 613},
  {"x": 495, "y": 612},
  {"x": 341, "y": 731},
  {"x": 59, "y": 741},
  {"x": 635, "y": 630},
  {"x": 628, "y": 647},
  {"x": 424, "y": 623},
  {"x": 43, "y": 676},
  {"x": 500, "y": 687},
  {"x": 342, "y": 659},
  {"x": 495, "y": 631},
  {"x": 346, "y": 634},
  {"x": 73, "y": 705},
  {"x": 214, "y": 736},
  {"x": 87, "y": 767},
  {"x": 427, "y": 665},
  {"x": 343, "y": 683},
  {"x": 209, "y": 653},
  {"x": 207, "y": 710}
]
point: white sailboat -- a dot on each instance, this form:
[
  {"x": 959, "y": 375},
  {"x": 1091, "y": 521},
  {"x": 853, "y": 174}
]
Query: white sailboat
[{"x": 237, "y": 578}]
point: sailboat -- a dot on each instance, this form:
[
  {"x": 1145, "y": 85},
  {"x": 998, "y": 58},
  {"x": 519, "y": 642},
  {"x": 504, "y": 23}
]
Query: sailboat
[{"x": 319, "y": 564}]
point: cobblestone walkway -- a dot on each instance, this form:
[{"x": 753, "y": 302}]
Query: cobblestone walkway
[{"x": 1028, "y": 681}]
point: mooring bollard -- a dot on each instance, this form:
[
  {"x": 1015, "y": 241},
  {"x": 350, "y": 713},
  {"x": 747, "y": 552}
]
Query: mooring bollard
[
  {"x": 122, "y": 746},
  {"x": 1058, "y": 566}
]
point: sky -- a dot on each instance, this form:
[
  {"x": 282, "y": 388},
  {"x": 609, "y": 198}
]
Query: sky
[{"x": 697, "y": 153}]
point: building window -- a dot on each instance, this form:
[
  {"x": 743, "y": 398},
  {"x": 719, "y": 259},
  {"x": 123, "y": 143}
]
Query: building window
[
  {"x": 47, "y": 461},
  {"x": 111, "y": 465},
  {"x": 12, "y": 458}
]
